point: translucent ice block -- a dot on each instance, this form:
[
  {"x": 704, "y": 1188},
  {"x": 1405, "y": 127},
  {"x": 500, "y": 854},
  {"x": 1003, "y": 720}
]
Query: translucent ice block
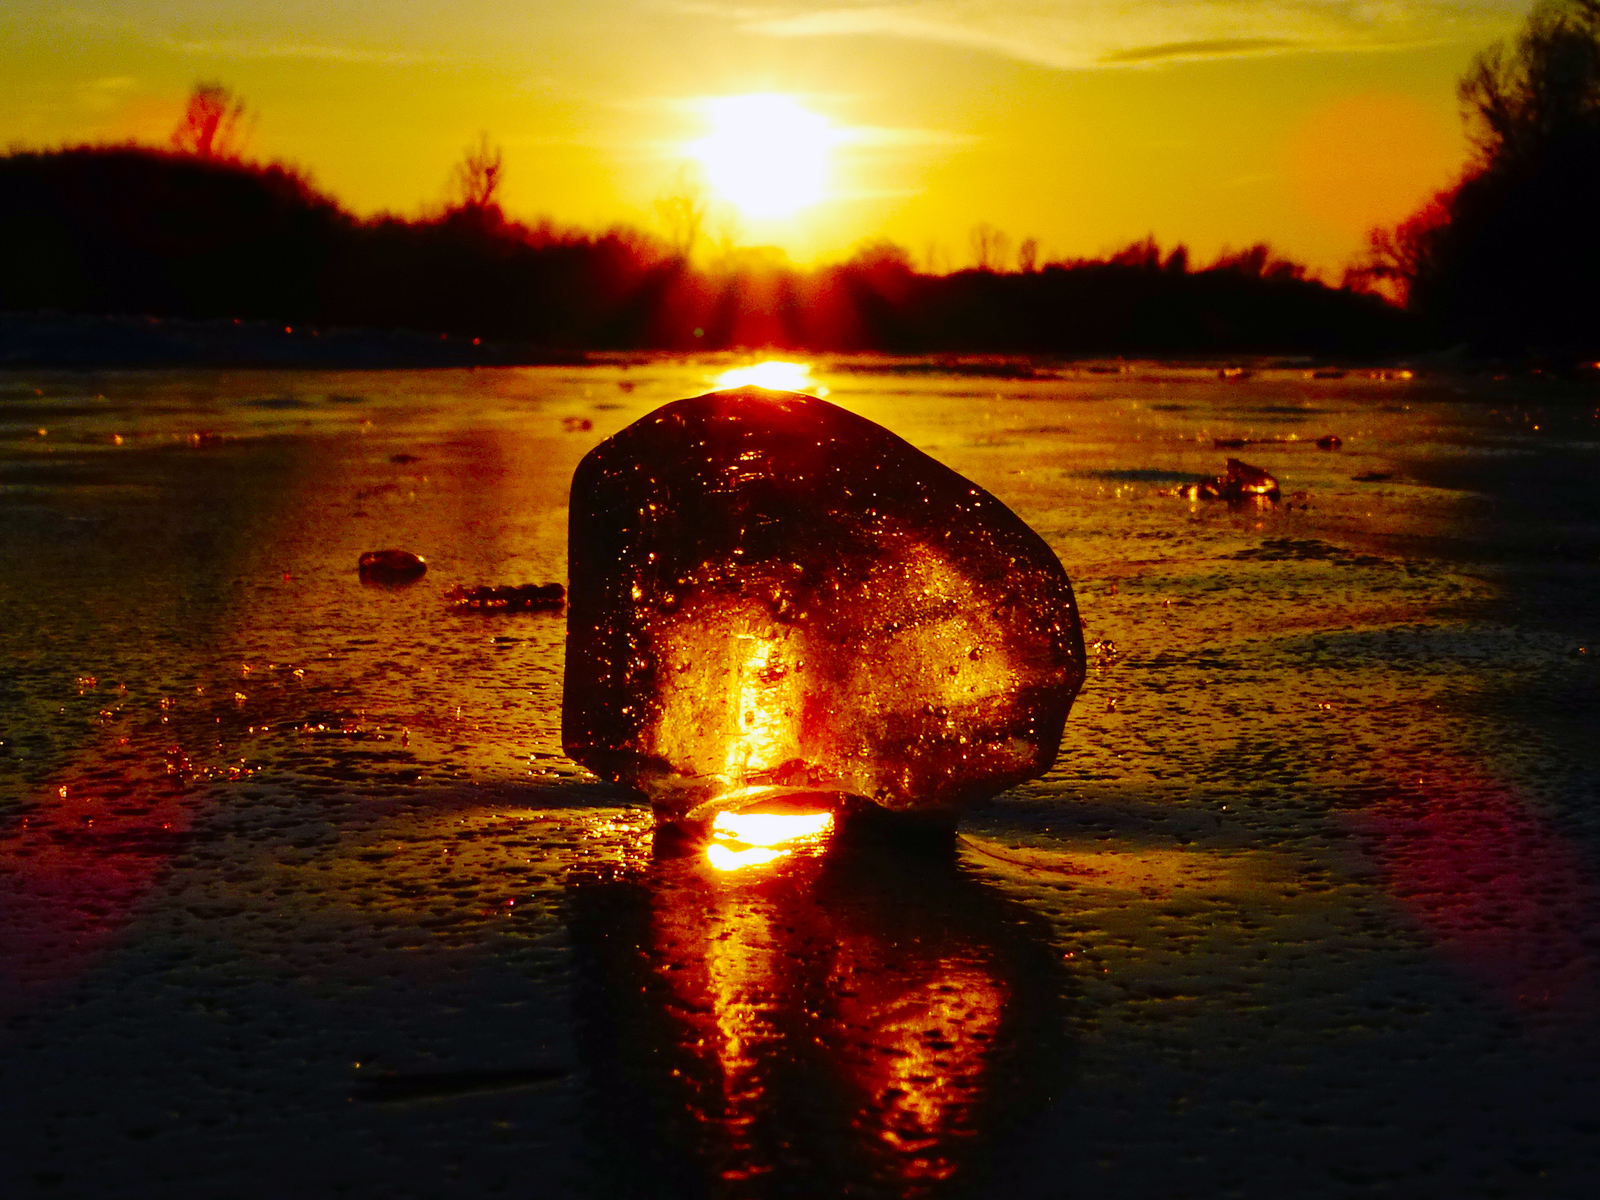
[{"x": 771, "y": 593}]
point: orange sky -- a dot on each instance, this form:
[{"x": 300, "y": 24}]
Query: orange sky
[{"x": 1081, "y": 123}]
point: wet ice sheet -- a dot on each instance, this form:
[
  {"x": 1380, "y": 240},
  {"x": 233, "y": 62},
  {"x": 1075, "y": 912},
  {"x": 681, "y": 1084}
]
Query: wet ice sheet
[{"x": 1317, "y": 860}]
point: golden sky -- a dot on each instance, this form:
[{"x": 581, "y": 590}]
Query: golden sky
[{"x": 1081, "y": 123}]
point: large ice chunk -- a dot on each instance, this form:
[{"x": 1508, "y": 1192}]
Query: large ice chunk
[{"x": 769, "y": 592}]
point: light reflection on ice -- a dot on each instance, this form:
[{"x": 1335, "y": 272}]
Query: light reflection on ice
[
  {"x": 750, "y": 839},
  {"x": 771, "y": 829},
  {"x": 777, "y": 375}
]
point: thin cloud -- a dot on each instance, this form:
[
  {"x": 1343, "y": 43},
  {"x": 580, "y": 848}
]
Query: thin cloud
[
  {"x": 226, "y": 48},
  {"x": 868, "y": 136},
  {"x": 1220, "y": 48},
  {"x": 1085, "y": 34},
  {"x": 241, "y": 47},
  {"x": 878, "y": 136}
]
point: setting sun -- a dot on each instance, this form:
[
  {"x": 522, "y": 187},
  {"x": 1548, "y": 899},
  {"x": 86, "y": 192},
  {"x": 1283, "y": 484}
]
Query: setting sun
[{"x": 765, "y": 155}]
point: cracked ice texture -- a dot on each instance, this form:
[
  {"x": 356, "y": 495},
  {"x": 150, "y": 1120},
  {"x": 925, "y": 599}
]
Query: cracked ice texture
[{"x": 768, "y": 591}]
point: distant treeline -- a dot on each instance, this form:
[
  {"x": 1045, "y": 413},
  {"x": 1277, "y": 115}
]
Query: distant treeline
[
  {"x": 135, "y": 230},
  {"x": 1507, "y": 261}
]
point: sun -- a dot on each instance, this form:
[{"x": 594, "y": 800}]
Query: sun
[{"x": 766, "y": 155}]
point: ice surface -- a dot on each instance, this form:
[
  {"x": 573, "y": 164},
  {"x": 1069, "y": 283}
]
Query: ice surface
[{"x": 769, "y": 592}]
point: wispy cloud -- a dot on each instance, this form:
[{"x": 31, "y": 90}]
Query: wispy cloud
[
  {"x": 232, "y": 48},
  {"x": 241, "y": 48},
  {"x": 846, "y": 135},
  {"x": 107, "y": 94},
  {"x": 1081, "y": 34},
  {"x": 879, "y": 136},
  {"x": 1216, "y": 48}
]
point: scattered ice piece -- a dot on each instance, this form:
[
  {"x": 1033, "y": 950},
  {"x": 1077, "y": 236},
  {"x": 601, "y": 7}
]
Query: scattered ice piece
[
  {"x": 1329, "y": 441},
  {"x": 770, "y": 593},
  {"x": 1242, "y": 482},
  {"x": 391, "y": 566},
  {"x": 509, "y": 597}
]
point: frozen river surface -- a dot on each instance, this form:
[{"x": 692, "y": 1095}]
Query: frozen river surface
[{"x": 298, "y": 895}]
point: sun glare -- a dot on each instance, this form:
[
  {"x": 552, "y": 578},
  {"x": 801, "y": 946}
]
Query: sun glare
[
  {"x": 779, "y": 376},
  {"x": 753, "y": 839},
  {"x": 765, "y": 155},
  {"x": 771, "y": 829}
]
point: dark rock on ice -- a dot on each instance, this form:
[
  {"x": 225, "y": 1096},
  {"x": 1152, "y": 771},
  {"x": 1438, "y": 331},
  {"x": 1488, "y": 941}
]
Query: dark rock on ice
[
  {"x": 1242, "y": 482},
  {"x": 1329, "y": 441},
  {"x": 771, "y": 593},
  {"x": 523, "y": 597},
  {"x": 404, "y": 459},
  {"x": 391, "y": 566}
]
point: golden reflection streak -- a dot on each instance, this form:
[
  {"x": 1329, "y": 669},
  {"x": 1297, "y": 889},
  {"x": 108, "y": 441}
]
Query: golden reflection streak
[
  {"x": 725, "y": 858},
  {"x": 932, "y": 1065},
  {"x": 911, "y": 1027}
]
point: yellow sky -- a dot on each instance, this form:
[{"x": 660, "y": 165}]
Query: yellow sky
[{"x": 1081, "y": 123}]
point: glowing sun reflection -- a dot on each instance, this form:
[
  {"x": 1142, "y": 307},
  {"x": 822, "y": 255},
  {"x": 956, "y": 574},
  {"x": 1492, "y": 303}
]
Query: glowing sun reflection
[
  {"x": 775, "y": 374},
  {"x": 751, "y": 839},
  {"x": 725, "y": 858}
]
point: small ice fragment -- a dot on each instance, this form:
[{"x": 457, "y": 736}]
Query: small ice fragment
[
  {"x": 522, "y": 597},
  {"x": 769, "y": 593},
  {"x": 1242, "y": 482}
]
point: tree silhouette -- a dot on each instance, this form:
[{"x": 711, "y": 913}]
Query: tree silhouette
[
  {"x": 1508, "y": 260},
  {"x": 1398, "y": 256},
  {"x": 1258, "y": 262},
  {"x": 990, "y": 247},
  {"x": 213, "y": 124},
  {"x": 1521, "y": 100},
  {"x": 475, "y": 180},
  {"x": 682, "y": 212}
]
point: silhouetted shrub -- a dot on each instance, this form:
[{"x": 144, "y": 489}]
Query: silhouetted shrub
[{"x": 128, "y": 229}]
